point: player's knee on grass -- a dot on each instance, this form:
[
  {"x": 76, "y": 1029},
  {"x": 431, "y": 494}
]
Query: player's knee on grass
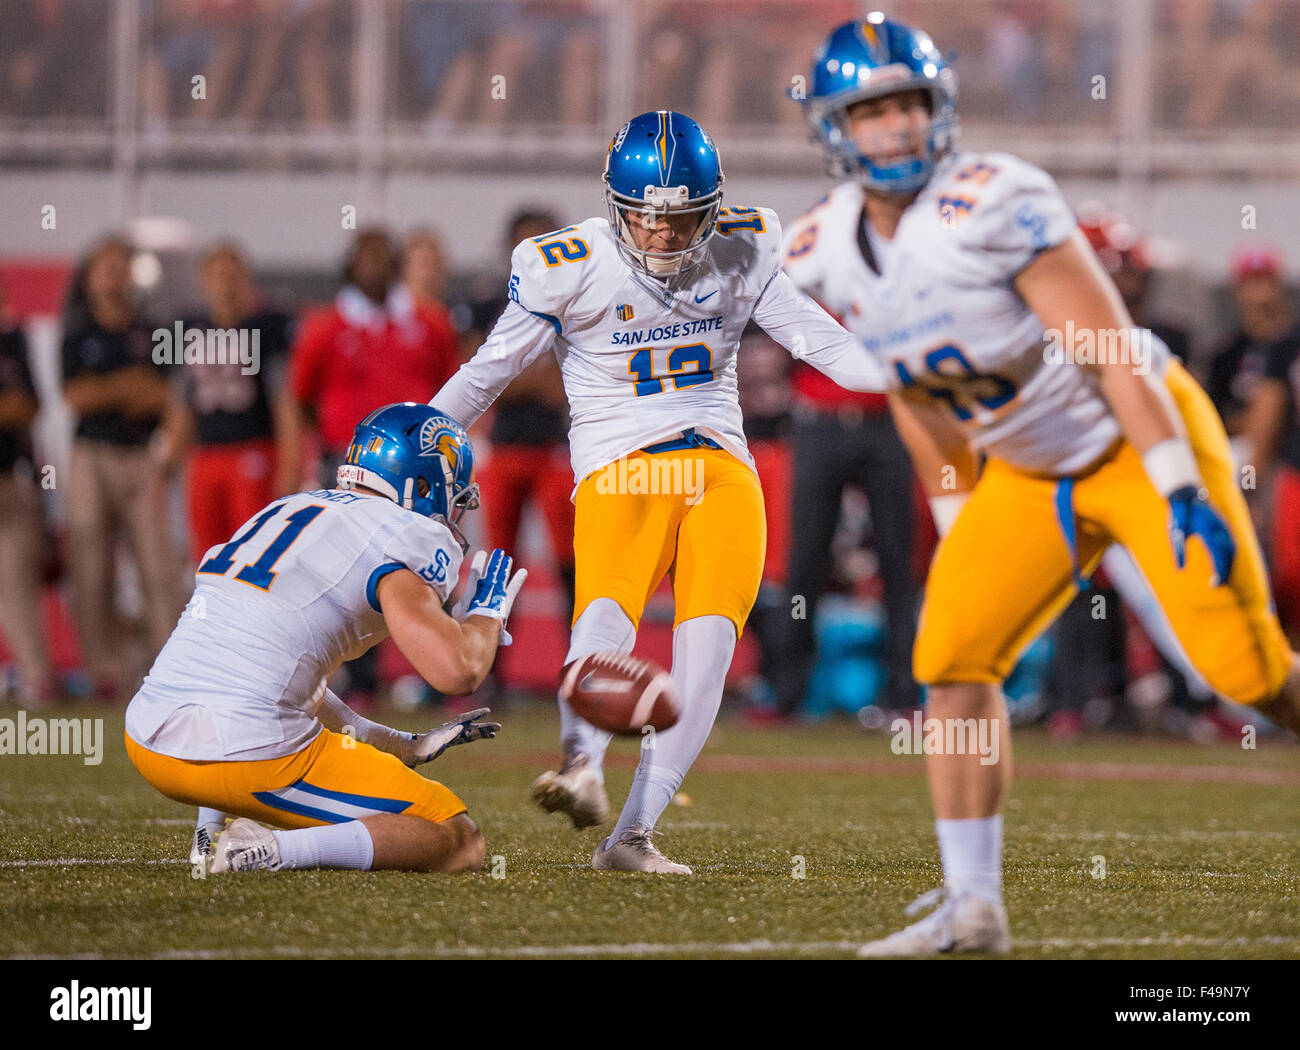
[
  {"x": 403, "y": 842},
  {"x": 470, "y": 848}
]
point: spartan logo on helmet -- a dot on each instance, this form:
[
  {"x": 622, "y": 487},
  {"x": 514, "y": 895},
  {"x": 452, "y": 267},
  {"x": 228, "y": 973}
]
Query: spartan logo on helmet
[{"x": 436, "y": 438}]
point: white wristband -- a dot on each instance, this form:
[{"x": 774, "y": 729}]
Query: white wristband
[
  {"x": 944, "y": 510},
  {"x": 1171, "y": 466}
]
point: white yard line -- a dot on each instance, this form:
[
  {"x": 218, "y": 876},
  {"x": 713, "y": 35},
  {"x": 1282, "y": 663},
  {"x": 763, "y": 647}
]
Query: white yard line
[
  {"x": 1136, "y": 836},
  {"x": 72, "y": 862},
  {"x": 540, "y": 951}
]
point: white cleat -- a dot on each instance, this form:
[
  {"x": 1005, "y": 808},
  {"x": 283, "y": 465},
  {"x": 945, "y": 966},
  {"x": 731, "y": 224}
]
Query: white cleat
[
  {"x": 245, "y": 846},
  {"x": 959, "y": 924},
  {"x": 576, "y": 790},
  {"x": 635, "y": 851}
]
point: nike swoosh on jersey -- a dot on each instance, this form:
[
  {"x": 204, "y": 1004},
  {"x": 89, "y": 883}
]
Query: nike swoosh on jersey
[{"x": 701, "y": 298}]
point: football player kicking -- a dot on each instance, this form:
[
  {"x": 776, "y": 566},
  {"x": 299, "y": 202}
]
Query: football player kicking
[
  {"x": 644, "y": 311},
  {"x": 234, "y": 716},
  {"x": 955, "y": 268}
]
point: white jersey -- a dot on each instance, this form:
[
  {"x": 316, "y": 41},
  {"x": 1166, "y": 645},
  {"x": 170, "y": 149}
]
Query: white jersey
[
  {"x": 943, "y": 313},
  {"x": 643, "y": 360},
  {"x": 274, "y": 612}
]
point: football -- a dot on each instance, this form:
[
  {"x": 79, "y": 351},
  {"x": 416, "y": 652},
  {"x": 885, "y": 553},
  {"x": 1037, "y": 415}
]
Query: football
[{"x": 620, "y": 693}]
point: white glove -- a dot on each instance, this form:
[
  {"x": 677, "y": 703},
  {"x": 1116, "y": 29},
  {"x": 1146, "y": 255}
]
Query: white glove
[{"x": 463, "y": 730}]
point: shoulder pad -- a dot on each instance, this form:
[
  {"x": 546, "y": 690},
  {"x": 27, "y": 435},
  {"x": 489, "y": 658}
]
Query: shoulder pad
[
  {"x": 547, "y": 272},
  {"x": 748, "y": 239},
  {"x": 998, "y": 204}
]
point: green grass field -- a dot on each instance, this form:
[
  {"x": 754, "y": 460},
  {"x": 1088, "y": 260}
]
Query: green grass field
[{"x": 1201, "y": 849}]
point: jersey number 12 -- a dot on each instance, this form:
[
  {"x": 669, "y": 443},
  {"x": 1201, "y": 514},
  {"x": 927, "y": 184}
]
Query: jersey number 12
[{"x": 641, "y": 367}]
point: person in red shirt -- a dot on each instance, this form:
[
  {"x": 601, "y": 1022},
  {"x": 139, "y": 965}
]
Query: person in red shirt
[{"x": 374, "y": 345}]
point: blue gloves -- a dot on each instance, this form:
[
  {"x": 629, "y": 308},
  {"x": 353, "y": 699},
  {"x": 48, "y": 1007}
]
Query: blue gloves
[
  {"x": 491, "y": 590},
  {"x": 1190, "y": 514}
]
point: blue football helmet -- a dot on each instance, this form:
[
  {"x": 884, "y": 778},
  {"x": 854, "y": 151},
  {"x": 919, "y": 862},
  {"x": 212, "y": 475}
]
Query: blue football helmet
[
  {"x": 663, "y": 164},
  {"x": 870, "y": 59},
  {"x": 419, "y": 458}
]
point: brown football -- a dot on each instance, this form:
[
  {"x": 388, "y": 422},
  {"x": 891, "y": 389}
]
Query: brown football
[{"x": 620, "y": 693}]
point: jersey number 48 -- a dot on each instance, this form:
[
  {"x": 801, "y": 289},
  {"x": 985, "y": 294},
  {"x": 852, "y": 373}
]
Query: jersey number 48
[{"x": 951, "y": 379}]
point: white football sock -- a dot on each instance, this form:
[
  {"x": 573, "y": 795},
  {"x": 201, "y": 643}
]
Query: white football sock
[
  {"x": 972, "y": 855},
  {"x": 211, "y": 818},
  {"x": 702, "y": 649},
  {"x": 346, "y": 845},
  {"x": 602, "y": 626}
]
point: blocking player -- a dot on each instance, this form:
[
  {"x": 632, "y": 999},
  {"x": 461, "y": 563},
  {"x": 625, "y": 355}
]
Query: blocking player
[
  {"x": 234, "y": 716},
  {"x": 966, "y": 274},
  {"x": 644, "y": 311}
]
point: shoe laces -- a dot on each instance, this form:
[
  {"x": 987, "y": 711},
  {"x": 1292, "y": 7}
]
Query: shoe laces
[
  {"x": 255, "y": 856},
  {"x": 640, "y": 840},
  {"x": 940, "y": 919}
]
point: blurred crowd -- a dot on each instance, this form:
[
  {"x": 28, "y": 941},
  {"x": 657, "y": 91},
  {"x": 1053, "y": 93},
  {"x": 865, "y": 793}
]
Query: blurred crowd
[
  {"x": 849, "y": 532},
  {"x": 235, "y": 422},
  {"x": 728, "y": 62}
]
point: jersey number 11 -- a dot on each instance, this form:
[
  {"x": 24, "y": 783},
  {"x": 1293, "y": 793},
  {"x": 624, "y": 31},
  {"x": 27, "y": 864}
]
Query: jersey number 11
[{"x": 261, "y": 573}]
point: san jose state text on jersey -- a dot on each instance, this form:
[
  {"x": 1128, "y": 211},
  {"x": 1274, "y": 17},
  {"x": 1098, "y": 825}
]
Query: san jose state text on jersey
[{"x": 677, "y": 330}]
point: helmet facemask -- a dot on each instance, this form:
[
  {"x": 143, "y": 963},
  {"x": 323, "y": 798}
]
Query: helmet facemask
[
  {"x": 695, "y": 219},
  {"x": 459, "y": 502}
]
